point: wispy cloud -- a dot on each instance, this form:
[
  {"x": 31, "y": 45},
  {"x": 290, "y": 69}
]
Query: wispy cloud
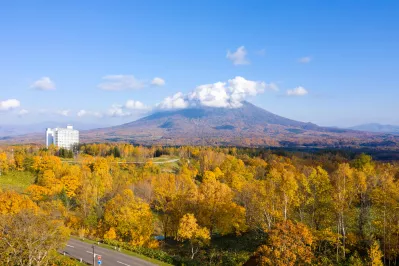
[
  {"x": 121, "y": 82},
  {"x": 23, "y": 112},
  {"x": 83, "y": 113},
  {"x": 298, "y": 91},
  {"x": 238, "y": 57},
  {"x": 272, "y": 86},
  {"x": 127, "y": 82},
  {"x": 261, "y": 52},
  {"x": 63, "y": 112},
  {"x": 305, "y": 60},
  {"x": 130, "y": 108},
  {"x": 43, "y": 84}
]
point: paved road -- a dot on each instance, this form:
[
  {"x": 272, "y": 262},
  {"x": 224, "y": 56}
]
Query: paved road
[
  {"x": 79, "y": 249},
  {"x": 154, "y": 162}
]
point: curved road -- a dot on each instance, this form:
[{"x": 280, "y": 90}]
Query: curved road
[{"x": 81, "y": 250}]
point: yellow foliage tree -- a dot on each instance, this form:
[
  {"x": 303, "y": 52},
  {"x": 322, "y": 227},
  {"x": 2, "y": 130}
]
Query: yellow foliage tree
[
  {"x": 110, "y": 234},
  {"x": 71, "y": 183},
  {"x": 216, "y": 209},
  {"x": 4, "y": 165},
  {"x": 131, "y": 218},
  {"x": 173, "y": 195},
  {"x": 48, "y": 180},
  {"x": 47, "y": 162},
  {"x": 189, "y": 230},
  {"x": 375, "y": 255},
  {"x": 288, "y": 244},
  {"x": 38, "y": 193},
  {"x": 11, "y": 203}
]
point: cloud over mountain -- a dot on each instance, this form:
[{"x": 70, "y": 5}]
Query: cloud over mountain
[{"x": 228, "y": 94}]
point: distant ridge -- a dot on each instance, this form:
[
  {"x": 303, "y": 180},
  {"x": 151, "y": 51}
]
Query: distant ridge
[
  {"x": 15, "y": 130},
  {"x": 378, "y": 128}
]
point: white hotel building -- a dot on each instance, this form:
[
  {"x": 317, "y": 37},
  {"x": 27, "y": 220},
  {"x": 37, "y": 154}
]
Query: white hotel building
[{"x": 62, "y": 137}]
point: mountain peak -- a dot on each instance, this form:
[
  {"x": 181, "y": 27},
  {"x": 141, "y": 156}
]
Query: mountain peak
[{"x": 191, "y": 124}]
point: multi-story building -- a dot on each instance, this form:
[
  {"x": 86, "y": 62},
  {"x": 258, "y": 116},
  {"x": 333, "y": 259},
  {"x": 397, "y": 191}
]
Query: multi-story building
[{"x": 62, "y": 137}]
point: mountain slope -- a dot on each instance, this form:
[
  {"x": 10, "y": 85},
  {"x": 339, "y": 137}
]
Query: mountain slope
[{"x": 247, "y": 125}]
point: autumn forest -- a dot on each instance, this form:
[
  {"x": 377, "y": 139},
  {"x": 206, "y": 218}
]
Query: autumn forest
[{"x": 199, "y": 205}]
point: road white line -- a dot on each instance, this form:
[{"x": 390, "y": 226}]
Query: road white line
[
  {"x": 91, "y": 252},
  {"x": 123, "y": 263},
  {"x": 70, "y": 246}
]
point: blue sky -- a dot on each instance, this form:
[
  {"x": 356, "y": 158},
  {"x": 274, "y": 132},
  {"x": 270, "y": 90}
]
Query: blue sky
[{"x": 334, "y": 63}]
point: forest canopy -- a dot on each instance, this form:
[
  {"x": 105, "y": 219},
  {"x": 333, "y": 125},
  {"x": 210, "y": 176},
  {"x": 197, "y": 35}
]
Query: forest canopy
[{"x": 202, "y": 205}]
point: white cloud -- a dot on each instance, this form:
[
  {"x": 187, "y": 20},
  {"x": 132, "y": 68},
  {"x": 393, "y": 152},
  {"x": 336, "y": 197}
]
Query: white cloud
[
  {"x": 121, "y": 82},
  {"x": 9, "y": 104},
  {"x": 158, "y": 81},
  {"x": 176, "y": 101},
  {"x": 238, "y": 57},
  {"x": 298, "y": 91},
  {"x": 305, "y": 60},
  {"x": 228, "y": 94},
  {"x": 135, "y": 105},
  {"x": 130, "y": 108},
  {"x": 63, "y": 112},
  {"x": 117, "y": 110},
  {"x": 43, "y": 84},
  {"x": 23, "y": 112},
  {"x": 83, "y": 112}
]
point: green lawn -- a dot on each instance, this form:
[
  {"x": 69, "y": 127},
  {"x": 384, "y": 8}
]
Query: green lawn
[
  {"x": 164, "y": 158},
  {"x": 127, "y": 252},
  {"x": 16, "y": 180}
]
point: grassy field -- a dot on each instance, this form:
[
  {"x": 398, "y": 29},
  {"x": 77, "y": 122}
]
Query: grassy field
[
  {"x": 15, "y": 180},
  {"x": 164, "y": 158}
]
